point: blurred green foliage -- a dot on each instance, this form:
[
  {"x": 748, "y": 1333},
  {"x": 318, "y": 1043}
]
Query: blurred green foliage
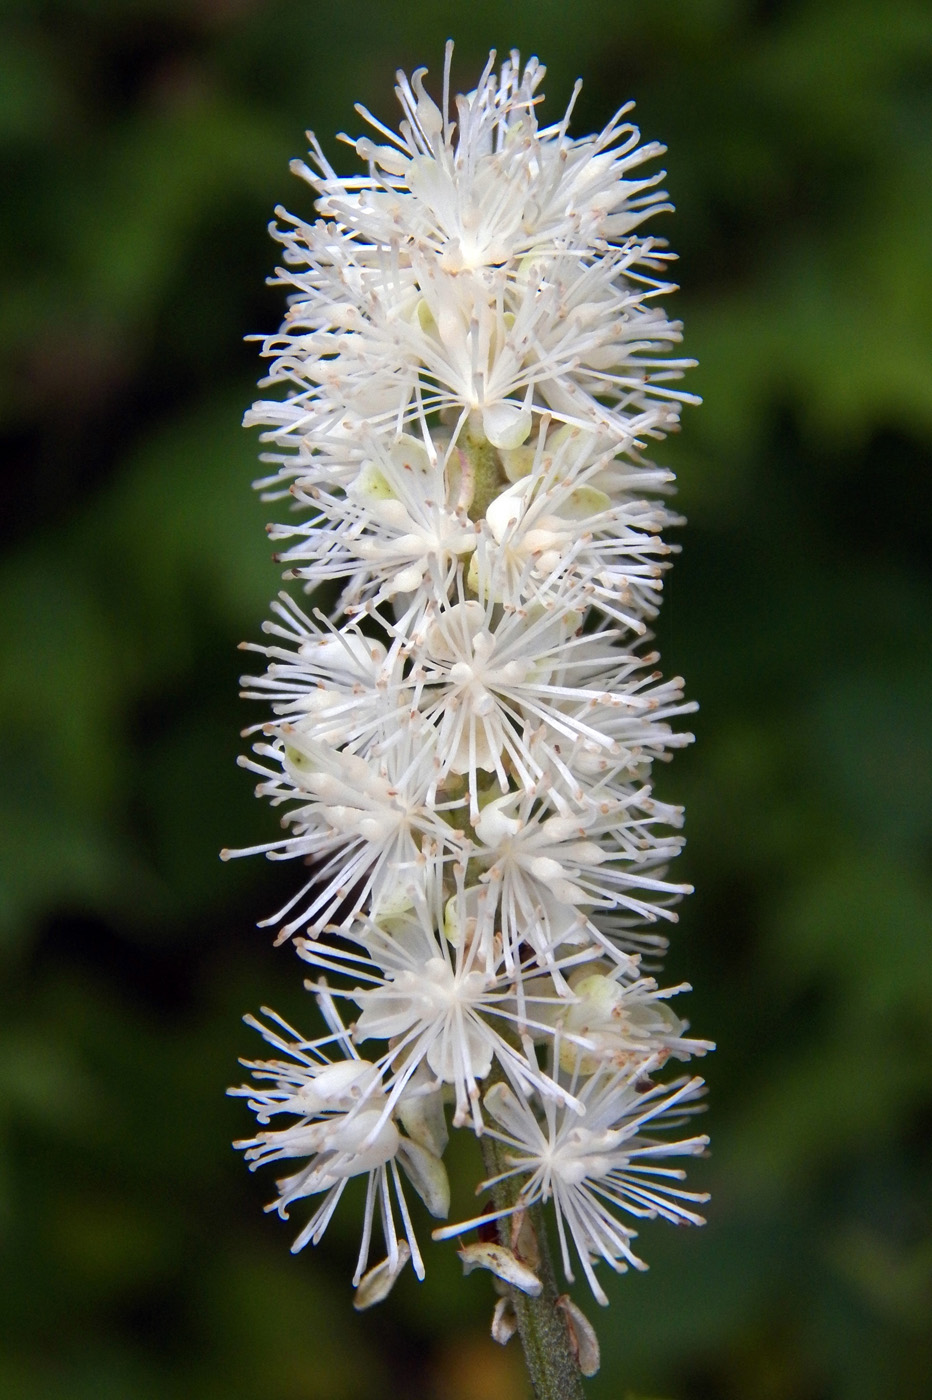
[{"x": 144, "y": 144}]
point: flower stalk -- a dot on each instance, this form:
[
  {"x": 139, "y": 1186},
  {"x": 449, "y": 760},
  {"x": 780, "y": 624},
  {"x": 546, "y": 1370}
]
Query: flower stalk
[
  {"x": 553, "y": 1365},
  {"x": 472, "y": 364}
]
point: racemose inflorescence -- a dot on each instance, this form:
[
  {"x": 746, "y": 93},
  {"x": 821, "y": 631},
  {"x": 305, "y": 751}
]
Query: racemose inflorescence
[{"x": 472, "y": 364}]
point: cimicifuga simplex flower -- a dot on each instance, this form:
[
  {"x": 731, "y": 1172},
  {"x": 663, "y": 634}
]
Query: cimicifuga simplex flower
[{"x": 471, "y": 367}]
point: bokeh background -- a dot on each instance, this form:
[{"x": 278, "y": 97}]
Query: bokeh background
[{"x": 144, "y": 144}]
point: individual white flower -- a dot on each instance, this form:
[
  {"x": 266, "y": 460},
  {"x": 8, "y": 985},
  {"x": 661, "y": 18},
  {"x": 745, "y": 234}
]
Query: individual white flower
[
  {"x": 364, "y": 825},
  {"x": 612, "y": 1022},
  {"x": 338, "y": 683},
  {"x": 343, "y": 1126},
  {"x": 441, "y": 1006},
  {"x": 619, "y": 735},
  {"x": 401, "y": 522},
  {"x": 484, "y": 682},
  {"x": 550, "y": 870},
  {"x": 543, "y": 875},
  {"x": 553, "y": 528},
  {"x": 507, "y": 690},
  {"x": 588, "y": 1165}
]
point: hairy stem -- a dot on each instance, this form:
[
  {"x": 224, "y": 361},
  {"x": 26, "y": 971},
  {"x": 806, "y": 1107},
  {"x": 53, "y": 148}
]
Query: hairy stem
[{"x": 541, "y": 1324}]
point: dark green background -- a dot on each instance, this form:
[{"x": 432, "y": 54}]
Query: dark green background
[{"x": 144, "y": 146}]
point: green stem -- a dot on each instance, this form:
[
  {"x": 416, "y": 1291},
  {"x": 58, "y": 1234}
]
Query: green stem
[{"x": 541, "y": 1324}]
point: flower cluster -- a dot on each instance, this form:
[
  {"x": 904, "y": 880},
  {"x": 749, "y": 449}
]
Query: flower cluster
[{"x": 461, "y": 741}]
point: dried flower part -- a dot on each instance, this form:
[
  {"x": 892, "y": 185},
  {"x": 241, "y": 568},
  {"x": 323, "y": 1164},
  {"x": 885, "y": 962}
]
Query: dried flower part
[
  {"x": 503, "y": 1263},
  {"x": 472, "y": 363},
  {"x": 375, "y": 1286},
  {"x": 504, "y": 1321},
  {"x": 583, "y": 1339}
]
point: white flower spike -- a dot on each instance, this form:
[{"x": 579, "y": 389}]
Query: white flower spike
[{"x": 461, "y": 735}]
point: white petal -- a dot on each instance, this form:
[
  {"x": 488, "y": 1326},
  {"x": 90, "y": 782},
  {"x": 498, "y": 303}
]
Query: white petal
[
  {"x": 507, "y": 424},
  {"x": 428, "y": 1176}
]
